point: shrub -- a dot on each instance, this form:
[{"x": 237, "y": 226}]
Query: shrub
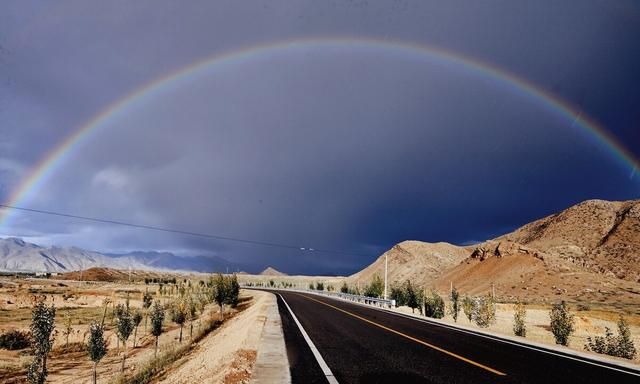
[
  {"x": 319, "y": 286},
  {"x": 519, "y": 327},
  {"x": 619, "y": 346},
  {"x": 484, "y": 311},
  {"x": 434, "y": 306},
  {"x": 561, "y": 323},
  {"x": 344, "y": 288},
  {"x": 14, "y": 340}
]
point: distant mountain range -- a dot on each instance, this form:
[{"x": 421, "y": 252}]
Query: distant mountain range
[{"x": 17, "y": 255}]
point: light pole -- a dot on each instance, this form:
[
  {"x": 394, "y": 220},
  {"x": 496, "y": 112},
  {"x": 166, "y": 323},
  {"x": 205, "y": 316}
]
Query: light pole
[{"x": 385, "y": 275}]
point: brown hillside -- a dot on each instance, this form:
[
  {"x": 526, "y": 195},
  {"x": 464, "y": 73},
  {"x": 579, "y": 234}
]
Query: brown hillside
[
  {"x": 415, "y": 260},
  {"x": 269, "y": 271},
  {"x": 597, "y": 236}
]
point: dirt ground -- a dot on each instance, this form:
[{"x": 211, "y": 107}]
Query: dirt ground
[
  {"x": 228, "y": 355},
  {"x": 84, "y": 303}
]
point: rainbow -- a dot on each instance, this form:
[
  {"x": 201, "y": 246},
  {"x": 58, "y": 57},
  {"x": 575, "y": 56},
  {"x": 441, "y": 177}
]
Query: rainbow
[{"x": 58, "y": 155}]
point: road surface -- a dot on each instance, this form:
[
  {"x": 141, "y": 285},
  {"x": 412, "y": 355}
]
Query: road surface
[{"x": 366, "y": 345}]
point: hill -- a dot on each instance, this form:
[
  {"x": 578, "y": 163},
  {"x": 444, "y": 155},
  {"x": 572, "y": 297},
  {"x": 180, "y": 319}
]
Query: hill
[
  {"x": 589, "y": 252},
  {"x": 269, "y": 271},
  {"x": 414, "y": 260}
]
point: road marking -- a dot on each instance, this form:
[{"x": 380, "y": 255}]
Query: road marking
[
  {"x": 533, "y": 348},
  {"x": 323, "y": 365},
  {"x": 410, "y": 338}
]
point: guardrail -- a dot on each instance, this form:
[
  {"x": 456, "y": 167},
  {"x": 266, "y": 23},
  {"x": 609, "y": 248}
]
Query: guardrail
[{"x": 383, "y": 303}]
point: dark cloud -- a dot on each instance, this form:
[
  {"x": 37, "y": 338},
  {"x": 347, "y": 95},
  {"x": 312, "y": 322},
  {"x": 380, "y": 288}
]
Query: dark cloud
[{"x": 346, "y": 148}]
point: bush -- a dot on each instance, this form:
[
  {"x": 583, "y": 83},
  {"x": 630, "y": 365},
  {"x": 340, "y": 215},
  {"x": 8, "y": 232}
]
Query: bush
[
  {"x": 484, "y": 311},
  {"x": 467, "y": 307},
  {"x": 14, "y": 340},
  {"x": 434, "y": 306},
  {"x": 561, "y": 323},
  {"x": 619, "y": 346},
  {"x": 376, "y": 287},
  {"x": 344, "y": 288},
  {"x": 319, "y": 286},
  {"x": 519, "y": 327}
]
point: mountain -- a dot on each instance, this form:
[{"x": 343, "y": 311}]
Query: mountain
[
  {"x": 269, "y": 271},
  {"x": 413, "y": 260},
  {"x": 17, "y": 255},
  {"x": 588, "y": 252}
]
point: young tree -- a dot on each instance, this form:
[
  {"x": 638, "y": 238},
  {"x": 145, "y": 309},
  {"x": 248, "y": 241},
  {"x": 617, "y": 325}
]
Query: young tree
[
  {"x": 484, "y": 311},
  {"x": 455, "y": 304},
  {"x": 179, "y": 315},
  {"x": 562, "y": 323},
  {"x": 467, "y": 307},
  {"x": 147, "y": 300},
  {"x": 412, "y": 297},
  {"x": 519, "y": 316},
  {"x": 620, "y": 346},
  {"x": 157, "y": 318},
  {"x": 344, "y": 288},
  {"x": 434, "y": 306},
  {"x": 137, "y": 319},
  {"x": 311, "y": 286},
  {"x": 125, "y": 326},
  {"x": 192, "y": 310},
  {"x": 220, "y": 292},
  {"x": 376, "y": 288},
  {"x": 68, "y": 329},
  {"x": 233, "y": 295},
  {"x": 42, "y": 326},
  {"x": 398, "y": 294},
  {"x": 97, "y": 346}
]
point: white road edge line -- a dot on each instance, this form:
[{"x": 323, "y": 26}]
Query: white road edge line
[
  {"x": 493, "y": 338},
  {"x": 323, "y": 365}
]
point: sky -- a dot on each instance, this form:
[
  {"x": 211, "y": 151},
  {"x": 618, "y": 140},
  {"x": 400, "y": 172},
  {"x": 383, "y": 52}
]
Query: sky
[{"x": 344, "y": 145}]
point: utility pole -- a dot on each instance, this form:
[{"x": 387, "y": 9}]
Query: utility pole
[{"x": 385, "y": 275}]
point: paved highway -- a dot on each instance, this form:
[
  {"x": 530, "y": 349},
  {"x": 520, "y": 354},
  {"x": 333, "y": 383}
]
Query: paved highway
[{"x": 365, "y": 345}]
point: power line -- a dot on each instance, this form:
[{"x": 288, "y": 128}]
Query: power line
[{"x": 178, "y": 231}]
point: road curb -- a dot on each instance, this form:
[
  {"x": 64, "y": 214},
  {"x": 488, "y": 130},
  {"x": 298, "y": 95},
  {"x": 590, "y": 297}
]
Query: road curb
[{"x": 272, "y": 363}]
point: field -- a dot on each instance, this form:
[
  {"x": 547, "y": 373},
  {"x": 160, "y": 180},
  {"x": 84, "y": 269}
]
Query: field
[{"x": 83, "y": 302}]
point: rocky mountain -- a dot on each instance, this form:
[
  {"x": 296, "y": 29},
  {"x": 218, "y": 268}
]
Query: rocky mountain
[
  {"x": 269, "y": 271},
  {"x": 17, "y": 255}
]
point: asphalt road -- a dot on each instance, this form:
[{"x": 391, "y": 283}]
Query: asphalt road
[{"x": 365, "y": 345}]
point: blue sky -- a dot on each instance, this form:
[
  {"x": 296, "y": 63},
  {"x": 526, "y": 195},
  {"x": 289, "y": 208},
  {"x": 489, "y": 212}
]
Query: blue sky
[{"x": 345, "y": 148}]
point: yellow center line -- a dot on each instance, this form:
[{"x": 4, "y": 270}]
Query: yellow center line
[{"x": 410, "y": 338}]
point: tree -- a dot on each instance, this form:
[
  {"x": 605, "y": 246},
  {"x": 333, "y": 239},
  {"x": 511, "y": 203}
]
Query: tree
[
  {"x": 398, "y": 294},
  {"x": 434, "y": 306},
  {"x": 344, "y": 288},
  {"x": 97, "y": 346},
  {"x": 562, "y": 323},
  {"x": 192, "y": 310},
  {"x": 484, "y": 311},
  {"x": 620, "y": 346},
  {"x": 42, "y": 326},
  {"x": 319, "y": 286},
  {"x": 125, "y": 327},
  {"x": 467, "y": 307},
  {"x": 220, "y": 292},
  {"x": 68, "y": 329},
  {"x": 137, "y": 319},
  {"x": 311, "y": 286},
  {"x": 157, "y": 318},
  {"x": 455, "y": 304},
  {"x": 412, "y": 297},
  {"x": 179, "y": 315},
  {"x": 147, "y": 300},
  {"x": 519, "y": 316},
  {"x": 376, "y": 288},
  {"x": 233, "y": 294}
]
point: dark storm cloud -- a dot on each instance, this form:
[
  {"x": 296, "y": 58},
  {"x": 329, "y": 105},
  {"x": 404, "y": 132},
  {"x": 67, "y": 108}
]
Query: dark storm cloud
[{"x": 350, "y": 149}]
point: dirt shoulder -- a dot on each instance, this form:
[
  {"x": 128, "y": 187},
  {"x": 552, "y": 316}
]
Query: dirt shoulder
[{"x": 227, "y": 355}]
